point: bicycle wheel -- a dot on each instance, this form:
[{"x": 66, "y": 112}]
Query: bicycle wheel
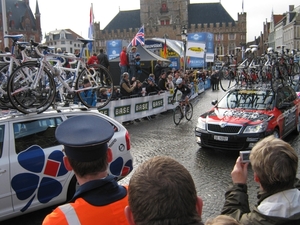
[
  {"x": 92, "y": 81},
  {"x": 294, "y": 75},
  {"x": 278, "y": 78},
  {"x": 4, "y": 76},
  {"x": 227, "y": 80},
  {"x": 189, "y": 112},
  {"x": 5, "y": 103},
  {"x": 24, "y": 96},
  {"x": 177, "y": 115}
]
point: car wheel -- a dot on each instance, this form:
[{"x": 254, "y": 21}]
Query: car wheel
[{"x": 276, "y": 133}]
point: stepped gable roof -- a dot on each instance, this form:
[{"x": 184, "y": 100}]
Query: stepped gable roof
[
  {"x": 16, "y": 11},
  {"x": 208, "y": 13},
  {"x": 125, "y": 20}
]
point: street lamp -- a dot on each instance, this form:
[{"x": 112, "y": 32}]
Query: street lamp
[{"x": 184, "y": 40}]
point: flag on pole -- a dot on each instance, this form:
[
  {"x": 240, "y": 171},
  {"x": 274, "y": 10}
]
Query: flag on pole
[
  {"x": 139, "y": 38},
  {"x": 91, "y": 29},
  {"x": 165, "y": 49}
]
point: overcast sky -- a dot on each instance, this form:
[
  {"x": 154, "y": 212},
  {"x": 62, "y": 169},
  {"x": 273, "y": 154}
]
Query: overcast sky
[{"x": 74, "y": 14}]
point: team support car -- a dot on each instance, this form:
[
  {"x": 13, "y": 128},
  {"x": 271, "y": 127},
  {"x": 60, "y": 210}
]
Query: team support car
[
  {"x": 243, "y": 116},
  {"x": 32, "y": 172}
]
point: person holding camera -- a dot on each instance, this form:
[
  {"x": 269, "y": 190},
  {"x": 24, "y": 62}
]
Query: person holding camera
[{"x": 275, "y": 164}]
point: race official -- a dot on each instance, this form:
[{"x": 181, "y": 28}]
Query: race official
[{"x": 99, "y": 199}]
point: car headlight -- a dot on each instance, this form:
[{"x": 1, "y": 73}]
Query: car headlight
[
  {"x": 256, "y": 128},
  {"x": 201, "y": 124}
]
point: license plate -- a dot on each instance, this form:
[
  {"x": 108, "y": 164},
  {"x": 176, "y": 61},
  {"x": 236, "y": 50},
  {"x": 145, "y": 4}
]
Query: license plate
[{"x": 220, "y": 138}]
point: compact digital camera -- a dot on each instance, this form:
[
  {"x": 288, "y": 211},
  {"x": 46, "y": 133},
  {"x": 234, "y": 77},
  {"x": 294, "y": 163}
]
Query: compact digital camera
[{"x": 245, "y": 156}]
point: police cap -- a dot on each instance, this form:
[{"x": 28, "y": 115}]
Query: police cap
[{"x": 84, "y": 137}]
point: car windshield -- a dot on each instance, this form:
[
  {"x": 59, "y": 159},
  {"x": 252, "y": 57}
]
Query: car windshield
[{"x": 248, "y": 99}]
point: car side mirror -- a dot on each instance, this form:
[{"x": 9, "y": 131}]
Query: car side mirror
[{"x": 214, "y": 102}]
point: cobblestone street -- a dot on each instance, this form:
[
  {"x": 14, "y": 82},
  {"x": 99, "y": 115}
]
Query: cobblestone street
[{"x": 159, "y": 136}]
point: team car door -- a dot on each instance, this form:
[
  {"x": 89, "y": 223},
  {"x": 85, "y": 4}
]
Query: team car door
[
  {"x": 285, "y": 103},
  {"x": 38, "y": 174},
  {"x": 5, "y": 191}
]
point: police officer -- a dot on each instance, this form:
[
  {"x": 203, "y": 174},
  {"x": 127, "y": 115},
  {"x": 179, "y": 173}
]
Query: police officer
[{"x": 99, "y": 199}]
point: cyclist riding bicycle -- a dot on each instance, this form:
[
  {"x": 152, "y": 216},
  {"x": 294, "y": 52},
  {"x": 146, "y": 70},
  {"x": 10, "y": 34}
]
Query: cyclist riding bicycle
[{"x": 185, "y": 90}]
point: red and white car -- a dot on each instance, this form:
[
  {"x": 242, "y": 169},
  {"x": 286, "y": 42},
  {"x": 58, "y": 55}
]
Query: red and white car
[
  {"x": 32, "y": 172},
  {"x": 246, "y": 115}
]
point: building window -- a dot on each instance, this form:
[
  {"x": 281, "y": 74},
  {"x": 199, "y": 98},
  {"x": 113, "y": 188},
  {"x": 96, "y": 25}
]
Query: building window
[
  {"x": 71, "y": 50},
  {"x": 165, "y": 22},
  {"x": 232, "y": 48},
  {"x": 219, "y": 50},
  {"x": 27, "y": 24},
  {"x": 231, "y": 36},
  {"x": 219, "y": 37},
  {"x": 70, "y": 42},
  {"x": 62, "y": 35},
  {"x": 164, "y": 8},
  {"x": 298, "y": 32},
  {"x": 63, "y": 42}
]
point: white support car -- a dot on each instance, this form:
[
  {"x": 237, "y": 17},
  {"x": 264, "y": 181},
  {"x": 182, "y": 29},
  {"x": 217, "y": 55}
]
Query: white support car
[{"x": 32, "y": 173}]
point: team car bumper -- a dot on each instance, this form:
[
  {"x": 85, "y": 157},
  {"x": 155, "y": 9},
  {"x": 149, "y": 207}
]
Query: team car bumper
[{"x": 227, "y": 142}]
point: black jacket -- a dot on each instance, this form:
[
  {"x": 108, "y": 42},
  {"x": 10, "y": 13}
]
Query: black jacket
[{"x": 103, "y": 60}]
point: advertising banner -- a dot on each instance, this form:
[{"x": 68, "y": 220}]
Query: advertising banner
[
  {"x": 113, "y": 48},
  {"x": 199, "y": 45},
  {"x": 139, "y": 107},
  {"x": 195, "y": 49}
]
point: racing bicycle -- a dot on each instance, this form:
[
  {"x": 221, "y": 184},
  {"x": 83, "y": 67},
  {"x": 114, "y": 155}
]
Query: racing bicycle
[
  {"x": 33, "y": 87},
  {"x": 182, "y": 110}
]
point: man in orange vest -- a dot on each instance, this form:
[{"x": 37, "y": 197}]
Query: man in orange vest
[{"x": 99, "y": 199}]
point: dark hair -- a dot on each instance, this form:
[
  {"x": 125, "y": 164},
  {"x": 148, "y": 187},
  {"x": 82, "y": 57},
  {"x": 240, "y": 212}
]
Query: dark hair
[
  {"x": 89, "y": 168},
  {"x": 101, "y": 50}
]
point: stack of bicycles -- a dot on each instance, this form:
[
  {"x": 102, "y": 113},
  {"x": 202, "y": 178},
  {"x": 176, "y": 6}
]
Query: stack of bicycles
[
  {"x": 272, "y": 70},
  {"x": 32, "y": 85}
]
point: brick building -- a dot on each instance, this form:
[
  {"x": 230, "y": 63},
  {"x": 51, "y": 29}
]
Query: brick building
[
  {"x": 166, "y": 18},
  {"x": 20, "y": 20}
]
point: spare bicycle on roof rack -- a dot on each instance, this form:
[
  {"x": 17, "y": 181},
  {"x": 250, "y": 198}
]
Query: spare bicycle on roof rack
[
  {"x": 36, "y": 86},
  {"x": 271, "y": 70},
  {"x": 11, "y": 60}
]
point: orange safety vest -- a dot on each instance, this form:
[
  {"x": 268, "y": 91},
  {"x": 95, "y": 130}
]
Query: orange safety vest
[{"x": 80, "y": 212}]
